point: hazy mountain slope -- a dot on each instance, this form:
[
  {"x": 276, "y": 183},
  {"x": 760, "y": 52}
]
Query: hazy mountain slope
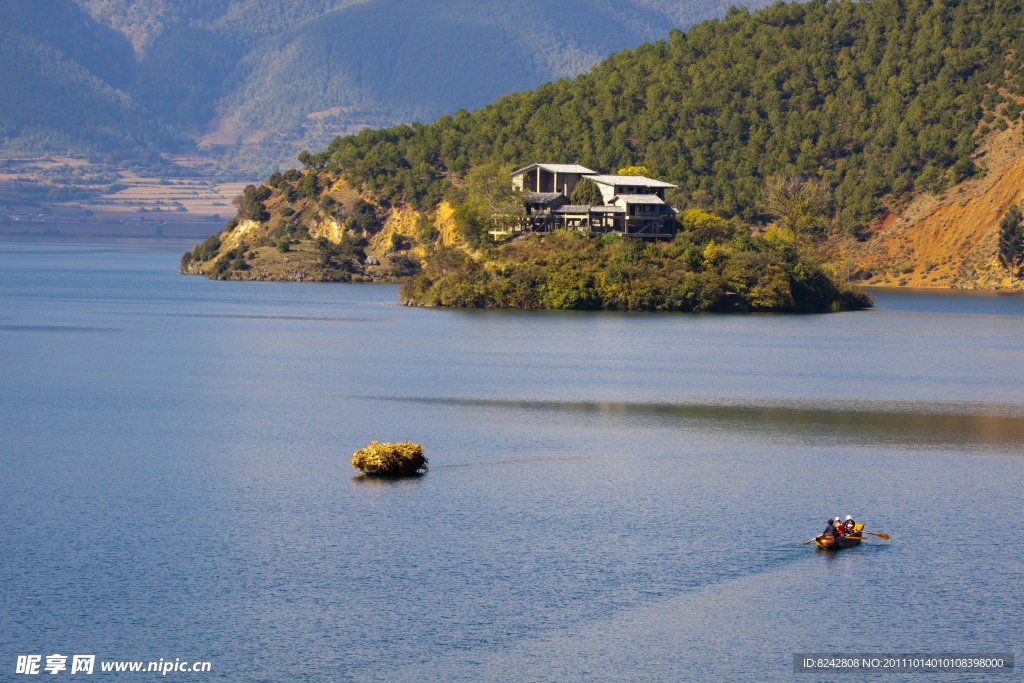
[
  {"x": 387, "y": 61},
  {"x": 394, "y": 60},
  {"x": 99, "y": 49},
  {"x": 181, "y": 75},
  {"x": 186, "y": 51},
  {"x": 279, "y": 76},
  {"x": 684, "y": 14},
  {"x": 247, "y": 20},
  {"x": 255, "y": 20},
  {"x": 55, "y": 87},
  {"x": 140, "y": 22}
]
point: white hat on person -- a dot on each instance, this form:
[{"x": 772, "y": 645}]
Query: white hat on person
[{"x": 848, "y": 518}]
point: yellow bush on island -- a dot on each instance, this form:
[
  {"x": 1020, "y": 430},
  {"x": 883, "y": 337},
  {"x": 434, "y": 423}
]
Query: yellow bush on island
[{"x": 390, "y": 459}]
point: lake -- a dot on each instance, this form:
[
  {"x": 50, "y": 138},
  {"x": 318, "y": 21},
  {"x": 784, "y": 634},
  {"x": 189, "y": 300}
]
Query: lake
[{"x": 610, "y": 496}]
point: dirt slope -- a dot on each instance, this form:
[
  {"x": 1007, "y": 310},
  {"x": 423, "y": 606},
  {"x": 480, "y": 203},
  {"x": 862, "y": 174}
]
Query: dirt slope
[{"x": 949, "y": 240}]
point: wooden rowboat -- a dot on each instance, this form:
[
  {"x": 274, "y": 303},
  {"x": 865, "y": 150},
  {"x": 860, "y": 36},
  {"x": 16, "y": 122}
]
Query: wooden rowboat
[{"x": 838, "y": 542}]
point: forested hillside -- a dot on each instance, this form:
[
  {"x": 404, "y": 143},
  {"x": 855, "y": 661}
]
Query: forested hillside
[{"x": 879, "y": 99}]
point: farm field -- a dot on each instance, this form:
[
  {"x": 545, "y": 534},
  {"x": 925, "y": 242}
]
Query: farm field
[{"x": 58, "y": 197}]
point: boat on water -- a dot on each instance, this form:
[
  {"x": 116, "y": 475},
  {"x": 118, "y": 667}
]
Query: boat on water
[
  {"x": 838, "y": 542},
  {"x": 844, "y": 540}
]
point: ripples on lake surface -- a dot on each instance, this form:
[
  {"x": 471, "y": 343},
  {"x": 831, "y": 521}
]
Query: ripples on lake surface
[{"x": 611, "y": 496}]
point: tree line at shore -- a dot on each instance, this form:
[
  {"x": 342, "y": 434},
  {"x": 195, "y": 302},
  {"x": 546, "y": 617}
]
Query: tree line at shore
[{"x": 711, "y": 265}]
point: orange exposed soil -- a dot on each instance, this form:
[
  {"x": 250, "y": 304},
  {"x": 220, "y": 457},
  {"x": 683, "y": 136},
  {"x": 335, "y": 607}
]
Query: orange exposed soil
[{"x": 950, "y": 240}]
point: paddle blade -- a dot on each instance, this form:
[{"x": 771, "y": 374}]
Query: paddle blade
[{"x": 885, "y": 536}]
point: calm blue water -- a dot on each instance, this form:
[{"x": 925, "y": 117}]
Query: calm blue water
[{"x": 610, "y": 496}]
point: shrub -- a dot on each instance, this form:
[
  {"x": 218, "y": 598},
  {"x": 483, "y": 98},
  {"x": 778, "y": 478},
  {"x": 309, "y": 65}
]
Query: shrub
[
  {"x": 207, "y": 250},
  {"x": 310, "y": 185},
  {"x": 403, "y": 266},
  {"x": 251, "y": 203},
  {"x": 364, "y": 217},
  {"x": 703, "y": 225},
  {"x": 390, "y": 459},
  {"x": 425, "y": 229}
]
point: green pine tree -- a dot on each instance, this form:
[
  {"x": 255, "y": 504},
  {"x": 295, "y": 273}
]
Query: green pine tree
[
  {"x": 1011, "y": 240},
  {"x": 587, "y": 194}
]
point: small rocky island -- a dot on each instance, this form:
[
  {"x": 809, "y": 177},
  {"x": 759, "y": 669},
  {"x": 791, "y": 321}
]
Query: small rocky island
[{"x": 618, "y": 246}]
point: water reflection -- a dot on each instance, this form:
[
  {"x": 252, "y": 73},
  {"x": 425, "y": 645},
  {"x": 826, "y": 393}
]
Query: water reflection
[
  {"x": 312, "y": 318},
  {"x": 911, "y": 423},
  {"x": 55, "y": 328},
  {"x": 850, "y": 555},
  {"x": 371, "y": 481}
]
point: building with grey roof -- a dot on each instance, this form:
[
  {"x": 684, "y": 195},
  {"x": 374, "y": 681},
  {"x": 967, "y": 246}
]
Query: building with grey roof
[
  {"x": 545, "y": 178},
  {"x": 633, "y": 205}
]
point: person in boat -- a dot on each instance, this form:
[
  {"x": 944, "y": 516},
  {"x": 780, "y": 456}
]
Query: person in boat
[
  {"x": 840, "y": 528},
  {"x": 851, "y": 528},
  {"x": 830, "y": 530}
]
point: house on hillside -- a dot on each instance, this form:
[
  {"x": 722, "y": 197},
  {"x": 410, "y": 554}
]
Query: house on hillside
[
  {"x": 550, "y": 178},
  {"x": 632, "y": 205}
]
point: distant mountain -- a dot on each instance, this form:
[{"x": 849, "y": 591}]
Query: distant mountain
[
  {"x": 59, "y": 86},
  {"x": 278, "y": 76},
  {"x": 387, "y": 61}
]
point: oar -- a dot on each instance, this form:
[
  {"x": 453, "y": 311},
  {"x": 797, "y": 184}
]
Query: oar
[
  {"x": 811, "y": 541},
  {"x": 886, "y": 536}
]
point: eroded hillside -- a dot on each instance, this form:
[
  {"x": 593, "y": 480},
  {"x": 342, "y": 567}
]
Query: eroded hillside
[
  {"x": 310, "y": 226},
  {"x": 949, "y": 239}
]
